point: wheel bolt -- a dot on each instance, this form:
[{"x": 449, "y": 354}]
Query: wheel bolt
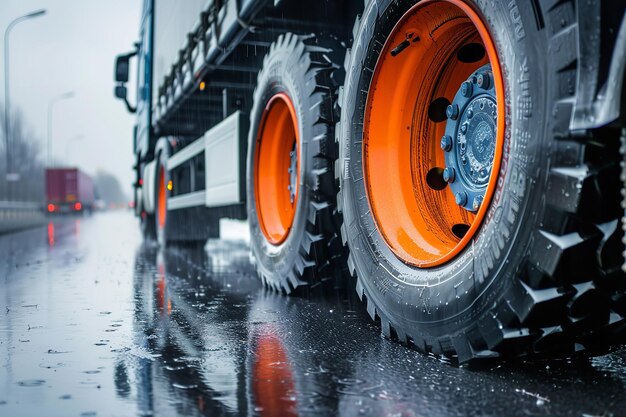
[
  {"x": 464, "y": 128},
  {"x": 461, "y": 198},
  {"x": 483, "y": 81},
  {"x": 446, "y": 143},
  {"x": 452, "y": 111},
  {"x": 478, "y": 200},
  {"x": 466, "y": 89},
  {"x": 469, "y": 113},
  {"x": 449, "y": 174}
]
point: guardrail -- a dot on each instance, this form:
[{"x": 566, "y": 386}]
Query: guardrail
[
  {"x": 20, "y": 205},
  {"x": 15, "y": 215}
]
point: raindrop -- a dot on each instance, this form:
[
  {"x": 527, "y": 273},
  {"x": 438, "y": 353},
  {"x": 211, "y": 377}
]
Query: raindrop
[{"x": 31, "y": 383}]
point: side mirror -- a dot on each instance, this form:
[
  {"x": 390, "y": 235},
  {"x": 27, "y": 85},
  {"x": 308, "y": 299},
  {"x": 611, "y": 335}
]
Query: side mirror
[
  {"x": 120, "y": 92},
  {"x": 122, "y": 67}
]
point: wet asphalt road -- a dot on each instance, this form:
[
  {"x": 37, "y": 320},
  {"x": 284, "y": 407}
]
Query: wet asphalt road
[{"x": 93, "y": 323}]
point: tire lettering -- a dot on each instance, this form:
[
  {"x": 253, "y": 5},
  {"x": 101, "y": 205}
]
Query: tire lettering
[
  {"x": 524, "y": 99},
  {"x": 516, "y": 20}
]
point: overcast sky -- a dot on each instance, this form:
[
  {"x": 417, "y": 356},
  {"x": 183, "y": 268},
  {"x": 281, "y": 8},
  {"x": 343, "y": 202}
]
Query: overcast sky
[{"x": 72, "y": 48}]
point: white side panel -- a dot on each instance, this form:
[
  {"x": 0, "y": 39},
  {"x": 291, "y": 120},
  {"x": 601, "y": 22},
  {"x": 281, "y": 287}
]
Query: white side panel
[
  {"x": 186, "y": 153},
  {"x": 222, "y": 163},
  {"x": 149, "y": 181},
  {"x": 194, "y": 199}
]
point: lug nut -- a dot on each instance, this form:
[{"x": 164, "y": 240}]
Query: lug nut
[
  {"x": 469, "y": 113},
  {"x": 483, "y": 81},
  {"x": 461, "y": 198},
  {"x": 478, "y": 200},
  {"x": 466, "y": 89},
  {"x": 449, "y": 174},
  {"x": 446, "y": 143},
  {"x": 452, "y": 111}
]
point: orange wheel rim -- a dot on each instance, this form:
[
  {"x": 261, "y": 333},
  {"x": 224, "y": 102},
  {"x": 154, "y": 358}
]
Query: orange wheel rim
[
  {"x": 276, "y": 168},
  {"x": 421, "y": 66},
  {"x": 161, "y": 199}
]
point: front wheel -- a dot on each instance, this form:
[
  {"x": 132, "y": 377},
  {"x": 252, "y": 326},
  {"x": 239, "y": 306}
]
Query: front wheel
[{"x": 477, "y": 226}]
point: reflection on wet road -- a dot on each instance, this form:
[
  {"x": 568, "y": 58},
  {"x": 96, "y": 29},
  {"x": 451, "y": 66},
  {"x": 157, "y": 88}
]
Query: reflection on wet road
[{"x": 92, "y": 322}]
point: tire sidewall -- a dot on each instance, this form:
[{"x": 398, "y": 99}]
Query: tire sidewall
[{"x": 450, "y": 297}]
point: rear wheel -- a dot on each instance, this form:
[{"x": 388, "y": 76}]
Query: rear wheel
[
  {"x": 290, "y": 154},
  {"x": 477, "y": 226},
  {"x": 163, "y": 185}
]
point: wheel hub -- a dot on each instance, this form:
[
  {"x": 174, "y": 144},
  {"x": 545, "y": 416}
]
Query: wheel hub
[{"x": 470, "y": 139}]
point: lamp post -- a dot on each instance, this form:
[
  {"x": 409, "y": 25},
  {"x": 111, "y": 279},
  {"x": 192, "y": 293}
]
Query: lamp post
[
  {"x": 7, "y": 103},
  {"x": 56, "y": 99}
]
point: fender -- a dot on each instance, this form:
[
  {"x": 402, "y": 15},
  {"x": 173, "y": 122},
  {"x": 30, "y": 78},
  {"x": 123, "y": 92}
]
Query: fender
[{"x": 599, "y": 105}]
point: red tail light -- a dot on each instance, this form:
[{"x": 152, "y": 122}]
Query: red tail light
[
  {"x": 51, "y": 208},
  {"x": 78, "y": 206}
]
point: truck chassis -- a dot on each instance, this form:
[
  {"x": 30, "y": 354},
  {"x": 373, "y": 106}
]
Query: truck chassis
[{"x": 462, "y": 164}]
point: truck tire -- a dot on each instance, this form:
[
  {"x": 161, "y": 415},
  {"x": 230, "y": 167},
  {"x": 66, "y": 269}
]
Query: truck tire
[
  {"x": 516, "y": 252},
  {"x": 147, "y": 224},
  {"x": 290, "y": 185},
  {"x": 161, "y": 195}
]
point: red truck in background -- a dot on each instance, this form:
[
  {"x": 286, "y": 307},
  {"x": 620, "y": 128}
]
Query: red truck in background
[{"x": 68, "y": 190}]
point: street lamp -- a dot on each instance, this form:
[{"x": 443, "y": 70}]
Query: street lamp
[
  {"x": 51, "y": 104},
  {"x": 7, "y": 104}
]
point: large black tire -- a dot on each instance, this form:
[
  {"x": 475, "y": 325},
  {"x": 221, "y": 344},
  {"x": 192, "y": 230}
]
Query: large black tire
[
  {"x": 300, "y": 67},
  {"x": 542, "y": 275},
  {"x": 147, "y": 224}
]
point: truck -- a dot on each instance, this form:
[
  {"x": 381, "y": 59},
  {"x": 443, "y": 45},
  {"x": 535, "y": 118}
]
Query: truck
[
  {"x": 458, "y": 162},
  {"x": 68, "y": 190}
]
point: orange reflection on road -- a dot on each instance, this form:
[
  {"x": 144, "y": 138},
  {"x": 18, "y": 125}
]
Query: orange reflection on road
[
  {"x": 50, "y": 234},
  {"x": 273, "y": 383},
  {"x": 164, "y": 303}
]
